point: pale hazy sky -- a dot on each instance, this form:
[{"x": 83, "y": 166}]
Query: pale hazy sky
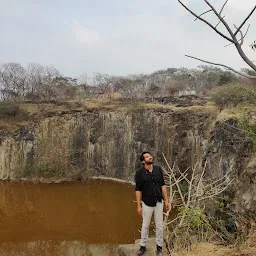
[{"x": 117, "y": 36}]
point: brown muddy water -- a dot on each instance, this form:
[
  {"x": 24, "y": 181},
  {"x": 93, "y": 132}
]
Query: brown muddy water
[{"x": 88, "y": 218}]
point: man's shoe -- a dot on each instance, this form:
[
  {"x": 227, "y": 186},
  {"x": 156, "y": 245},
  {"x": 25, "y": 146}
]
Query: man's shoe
[
  {"x": 141, "y": 251},
  {"x": 159, "y": 251}
]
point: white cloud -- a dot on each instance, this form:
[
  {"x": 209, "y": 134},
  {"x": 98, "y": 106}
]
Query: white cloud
[
  {"x": 242, "y": 4},
  {"x": 84, "y": 35}
]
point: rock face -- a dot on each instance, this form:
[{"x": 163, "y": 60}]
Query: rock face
[
  {"x": 131, "y": 249},
  {"x": 102, "y": 143},
  {"x": 107, "y": 143}
]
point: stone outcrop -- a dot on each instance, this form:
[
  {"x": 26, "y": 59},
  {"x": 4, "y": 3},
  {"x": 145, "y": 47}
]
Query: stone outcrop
[
  {"x": 106, "y": 142},
  {"x": 102, "y": 143},
  {"x": 131, "y": 249}
]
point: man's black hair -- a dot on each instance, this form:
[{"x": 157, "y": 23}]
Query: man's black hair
[{"x": 142, "y": 155}]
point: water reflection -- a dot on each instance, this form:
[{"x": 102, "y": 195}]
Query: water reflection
[
  {"x": 56, "y": 248},
  {"x": 51, "y": 218}
]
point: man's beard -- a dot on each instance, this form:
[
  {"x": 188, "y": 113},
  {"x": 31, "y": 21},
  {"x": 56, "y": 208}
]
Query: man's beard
[{"x": 149, "y": 162}]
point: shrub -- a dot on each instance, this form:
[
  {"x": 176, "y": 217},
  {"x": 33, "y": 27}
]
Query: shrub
[
  {"x": 232, "y": 95},
  {"x": 13, "y": 111},
  {"x": 51, "y": 160},
  {"x": 248, "y": 125},
  {"x": 194, "y": 228}
]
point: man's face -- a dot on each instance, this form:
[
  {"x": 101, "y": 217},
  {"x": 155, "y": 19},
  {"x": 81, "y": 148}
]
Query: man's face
[{"x": 148, "y": 159}]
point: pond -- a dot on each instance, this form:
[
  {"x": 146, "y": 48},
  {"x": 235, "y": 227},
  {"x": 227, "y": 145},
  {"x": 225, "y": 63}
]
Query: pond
[{"x": 88, "y": 218}]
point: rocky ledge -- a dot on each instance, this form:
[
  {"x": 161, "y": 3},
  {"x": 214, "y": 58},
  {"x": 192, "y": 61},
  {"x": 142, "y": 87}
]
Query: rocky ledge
[{"x": 131, "y": 249}]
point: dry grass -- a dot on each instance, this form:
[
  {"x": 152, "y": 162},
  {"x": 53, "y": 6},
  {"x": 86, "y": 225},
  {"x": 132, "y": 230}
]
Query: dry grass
[
  {"x": 42, "y": 108},
  {"x": 157, "y": 106},
  {"x": 234, "y": 112},
  {"x": 100, "y": 103},
  {"x": 210, "y": 249},
  {"x": 246, "y": 248},
  {"x": 30, "y": 108},
  {"x": 208, "y": 108},
  {"x": 252, "y": 164},
  {"x": 35, "y": 111},
  {"x": 10, "y": 125}
]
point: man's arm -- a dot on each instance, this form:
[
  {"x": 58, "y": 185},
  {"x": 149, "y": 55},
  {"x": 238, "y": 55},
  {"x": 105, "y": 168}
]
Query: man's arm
[
  {"x": 138, "y": 199},
  {"x": 138, "y": 192},
  {"x": 166, "y": 200},
  {"x": 164, "y": 191}
]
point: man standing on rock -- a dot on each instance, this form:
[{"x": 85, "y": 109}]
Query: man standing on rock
[{"x": 151, "y": 190}]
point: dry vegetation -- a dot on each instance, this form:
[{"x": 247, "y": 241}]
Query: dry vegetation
[
  {"x": 231, "y": 98},
  {"x": 14, "y": 115},
  {"x": 244, "y": 248},
  {"x": 211, "y": 249}
]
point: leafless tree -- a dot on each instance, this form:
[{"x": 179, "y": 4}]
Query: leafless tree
[
  {"x": 63, "y": 87},
  {"x": 235, "y": 37},
  {"x": 83, "y": 80},
  {"x": 12, "y": 81},
  {"x": 173, "y": 86},
  {"x": 35, "y": 79},
  {"x": 138, "y": 87},
  {"x": 103, "y": 82},
  {"x": 199, "y": 189},
  {"x": 52, "y": 72},
  {"x": 42, "y": 82}
]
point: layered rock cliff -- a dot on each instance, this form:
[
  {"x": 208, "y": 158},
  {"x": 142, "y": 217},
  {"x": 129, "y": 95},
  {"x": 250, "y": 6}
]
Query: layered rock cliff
[{"x": 107, "y": 142}]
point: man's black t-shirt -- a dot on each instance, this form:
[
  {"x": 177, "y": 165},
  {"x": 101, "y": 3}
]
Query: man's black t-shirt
[{"x": 150, "y": 184}]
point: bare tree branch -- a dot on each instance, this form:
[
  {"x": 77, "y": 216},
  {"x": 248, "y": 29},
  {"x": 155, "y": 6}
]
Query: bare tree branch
[
  {"x": 200, "y": 180},
  {"x": 223, "y": 22},
  {"x": 191, "y": 200},
  {"x": 217, "y": 192},
  {"x": 217, "y": 181},
  {"x": 223, "y": 7},
  {"x": 247, "y": 30},
  {"x": 203, "y": 14},
  {"x": 173, "y": 220},
  {"x": 205, "y": 21},
  {"x": 244, "y": 57},
  {"x": 240, "y": 129},
  {"x": 222, "y": 65},
  {"x": 219, "y": 22},
  {"x": 183, "y": 174},
  {"x": 240, "y": 39},
  {"x": 175, "y": 180},
  {"x": 239, "y": 28},
  {"x": 237, "y": 42}
]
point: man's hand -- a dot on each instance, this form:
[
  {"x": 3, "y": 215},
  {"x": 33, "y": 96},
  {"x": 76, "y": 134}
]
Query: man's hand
[
  {"x": 138, "y": 200},
  {"x": 139, "y": 210},
  {"x": 166, "y": 200},
  {"x": 166, "y": 206}
]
